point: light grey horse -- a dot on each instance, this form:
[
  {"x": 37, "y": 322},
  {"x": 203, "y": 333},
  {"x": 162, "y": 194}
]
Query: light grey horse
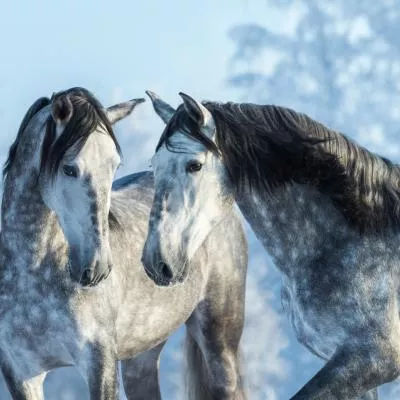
[
  {"x": 64, "y": 231},
  {"x": 326, "y": 209}
]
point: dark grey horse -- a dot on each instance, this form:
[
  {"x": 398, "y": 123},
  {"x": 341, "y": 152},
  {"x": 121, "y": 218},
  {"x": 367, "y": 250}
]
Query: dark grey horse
[
  {"x": 326, "y": 209},
  {"x": 64, "y": 231}
]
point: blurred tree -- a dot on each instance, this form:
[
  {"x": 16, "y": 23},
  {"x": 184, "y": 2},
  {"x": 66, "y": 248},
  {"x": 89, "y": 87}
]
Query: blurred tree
[{"x": 337, "y": 61}]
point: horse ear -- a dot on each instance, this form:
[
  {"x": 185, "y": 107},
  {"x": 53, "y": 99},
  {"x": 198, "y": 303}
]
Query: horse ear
[
  {"x": 122, "y": 110},
  {"x": 163, "y": 109},
  {"x": 198, "y": 112},
  {"x": 61, "y": 109}
]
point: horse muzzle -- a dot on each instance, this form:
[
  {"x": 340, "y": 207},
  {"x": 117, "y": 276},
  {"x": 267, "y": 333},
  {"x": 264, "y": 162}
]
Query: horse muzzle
[{"x": 91, "y": 275}]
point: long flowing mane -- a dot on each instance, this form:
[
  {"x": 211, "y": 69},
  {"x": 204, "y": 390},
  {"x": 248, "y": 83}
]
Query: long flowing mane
[{"x": 265, "y": 147}]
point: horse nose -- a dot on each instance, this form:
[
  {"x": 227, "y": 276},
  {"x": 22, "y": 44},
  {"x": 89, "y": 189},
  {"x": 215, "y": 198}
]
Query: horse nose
[
  {"x": 87, "y": 277},
  {"x": 166, "y": 271}
]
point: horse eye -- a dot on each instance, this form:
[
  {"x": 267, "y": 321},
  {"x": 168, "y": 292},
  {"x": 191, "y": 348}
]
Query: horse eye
[
  {"x": 71, "y": 171},
  {"x": 193, "y": 166}
]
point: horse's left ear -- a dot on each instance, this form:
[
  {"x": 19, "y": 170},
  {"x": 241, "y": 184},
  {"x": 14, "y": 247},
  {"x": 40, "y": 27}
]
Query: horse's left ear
[
  {"x": 122, "y": 110},
  {"x": 61, "y": 109},
  {"x": 197, "y": 111}
]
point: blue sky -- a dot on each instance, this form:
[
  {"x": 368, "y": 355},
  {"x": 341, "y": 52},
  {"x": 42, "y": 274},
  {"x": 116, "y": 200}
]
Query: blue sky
[
  {"x": 167, "y": 46},
  {"x": 117, "y": 50}
]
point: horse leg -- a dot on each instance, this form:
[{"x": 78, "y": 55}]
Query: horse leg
[
  {"x": 212, "y": 346},
  {"x": 101, "y": 372},
  {"x": 352, "y": 372},
  {"x": 31, "y": 389},
  {"x": 140, "y": 375}
]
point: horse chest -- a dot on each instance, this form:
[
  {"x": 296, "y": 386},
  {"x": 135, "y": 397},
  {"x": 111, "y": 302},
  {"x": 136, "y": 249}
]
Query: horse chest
[
  {"x": 35, "y": 338},
  {"x": 36, "y": 328},
  {"x": 343, "y": 295},
  {"x": 336, "y": 284},
  {"x": 315, "y": 327}
]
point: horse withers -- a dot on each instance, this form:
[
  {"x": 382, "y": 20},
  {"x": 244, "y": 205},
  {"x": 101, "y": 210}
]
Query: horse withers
[
  {"x": 72, "y": 288},
  {"x": 326, "y": 209}
]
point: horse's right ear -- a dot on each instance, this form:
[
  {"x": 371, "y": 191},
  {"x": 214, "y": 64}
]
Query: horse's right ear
[
  {"x": 163, "y": 109},
  {"x": 199, "y": 113},
  {"x": 61, "y": 109}
]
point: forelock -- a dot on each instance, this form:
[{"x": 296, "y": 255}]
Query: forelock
[
  {"x": 183, "y": 123},
  {"x": 87, "y": 116}
]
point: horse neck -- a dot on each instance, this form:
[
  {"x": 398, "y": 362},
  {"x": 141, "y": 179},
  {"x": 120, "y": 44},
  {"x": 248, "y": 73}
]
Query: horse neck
[
  {"x": 30, "y": 231},
  {"x": 292, "y": 222}
]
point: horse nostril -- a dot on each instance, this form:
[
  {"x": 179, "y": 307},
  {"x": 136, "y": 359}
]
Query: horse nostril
[
  {"x": 166, "y": 270},
  {"x": 86, "y": 277}
]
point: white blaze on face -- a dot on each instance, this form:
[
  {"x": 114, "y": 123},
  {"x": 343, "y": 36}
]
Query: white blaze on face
[
  {"x": 82, "y": 202},
  {"x": 192, "y": 202},
  {"x": 89, "y": 195},
  {"x": 191, "y": 191}
]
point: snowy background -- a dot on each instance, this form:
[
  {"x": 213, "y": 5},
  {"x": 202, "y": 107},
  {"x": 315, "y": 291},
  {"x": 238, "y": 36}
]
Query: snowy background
[{"x": 337, "y": 61}]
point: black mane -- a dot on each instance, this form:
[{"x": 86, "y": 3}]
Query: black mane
[
  {"x": 265, "y": 147},
  {"x": 87, "y": 114}
]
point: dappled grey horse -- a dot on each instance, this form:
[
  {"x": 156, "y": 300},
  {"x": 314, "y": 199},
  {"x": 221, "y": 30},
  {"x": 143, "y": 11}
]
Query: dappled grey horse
[
  {"x": 64, "y": 232},
  {"x": 326, "y": 209}
]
